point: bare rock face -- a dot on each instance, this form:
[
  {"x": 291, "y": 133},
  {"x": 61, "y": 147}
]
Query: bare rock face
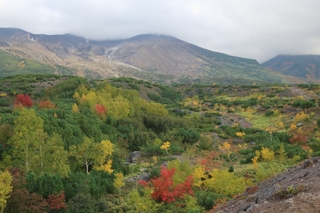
[{"x": 294, "y": 191}]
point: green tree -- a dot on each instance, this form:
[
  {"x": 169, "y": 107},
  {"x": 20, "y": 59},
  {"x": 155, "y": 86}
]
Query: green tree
[
  {"x": 56, "y": 158},
  {"x": 27, "y": 140},
  {"x": 34, "y": 150}
]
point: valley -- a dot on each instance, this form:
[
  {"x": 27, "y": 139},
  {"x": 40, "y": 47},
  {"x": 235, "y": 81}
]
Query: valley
[{"x": 196, "y": 146}]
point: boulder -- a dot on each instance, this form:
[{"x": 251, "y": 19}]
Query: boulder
[{"x": 134, "y": 157}]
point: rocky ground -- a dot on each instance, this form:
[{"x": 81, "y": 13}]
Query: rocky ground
[{"x": 296, "y": 191}]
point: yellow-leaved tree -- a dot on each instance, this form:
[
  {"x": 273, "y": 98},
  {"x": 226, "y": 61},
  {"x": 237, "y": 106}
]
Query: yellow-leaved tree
[
  {"x": 118, "y": 183},
  {"x": 105, "y": 150},
  {"x": 5, "y": 189},
  {"x": 165, "y": 146},
  {"x": 156, "y": 108},
  {"x": 94, "y": 154}
]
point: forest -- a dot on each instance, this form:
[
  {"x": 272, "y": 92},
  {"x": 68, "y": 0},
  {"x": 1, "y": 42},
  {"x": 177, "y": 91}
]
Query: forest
[{"x": 66, "y": 143}]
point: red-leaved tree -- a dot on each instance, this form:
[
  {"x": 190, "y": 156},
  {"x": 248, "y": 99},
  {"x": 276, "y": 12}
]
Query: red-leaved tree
[
  {"x": 57, "y": 202},
  {"x": 23, "y": 100},
  {"x": 100, "y": 109},
  {"x": 164, "y": 188}
]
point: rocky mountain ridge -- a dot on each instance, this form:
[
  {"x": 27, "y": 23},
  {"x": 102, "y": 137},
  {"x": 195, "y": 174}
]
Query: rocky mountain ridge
[{"x": 149, "y": 57}]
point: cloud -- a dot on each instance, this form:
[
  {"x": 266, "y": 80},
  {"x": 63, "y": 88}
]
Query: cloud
[{"x": 248, "y": 28}]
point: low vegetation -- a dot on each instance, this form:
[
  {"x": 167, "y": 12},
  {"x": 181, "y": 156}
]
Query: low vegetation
[{"x": 64, "y": 142}]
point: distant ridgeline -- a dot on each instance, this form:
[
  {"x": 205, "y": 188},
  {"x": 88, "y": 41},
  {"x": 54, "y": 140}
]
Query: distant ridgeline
[{"x": 155, "y": 58}]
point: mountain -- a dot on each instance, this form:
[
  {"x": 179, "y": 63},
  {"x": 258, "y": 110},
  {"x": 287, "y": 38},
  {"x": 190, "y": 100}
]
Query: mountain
[
  {"x": 150, "y": 57},
  {"x": 302, "y": 66}
]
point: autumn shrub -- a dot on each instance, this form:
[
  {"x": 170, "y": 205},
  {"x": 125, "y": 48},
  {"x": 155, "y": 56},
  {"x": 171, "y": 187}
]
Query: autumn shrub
[
  {"x": 164, "y": 188},
  {"x": 56, "y": 201},
  {"x": 46, "y": 104},
  {"x": 24, "y": 100},
  {"x": 226, "y": 183},
  {"x": 299, "y": 139}
]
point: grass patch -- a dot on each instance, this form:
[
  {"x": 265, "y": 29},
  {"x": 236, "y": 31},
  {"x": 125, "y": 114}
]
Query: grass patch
[{"x": 261, "y": 121}]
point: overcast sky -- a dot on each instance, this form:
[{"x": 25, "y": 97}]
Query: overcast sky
[{"x": 259, "y": 29}]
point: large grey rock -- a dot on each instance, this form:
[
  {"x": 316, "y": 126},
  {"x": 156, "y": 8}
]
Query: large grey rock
[
  {"x": 134, "y": 157},
  {"x": 143, "y": 176}
]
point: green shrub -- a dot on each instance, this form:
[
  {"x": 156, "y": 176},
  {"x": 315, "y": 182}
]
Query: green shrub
[
  {"x": 269, "y": 113},
  {"x": 207, "y": 199},
  {"x": 304, "y": 104},
  {"x": 190, "y": 136}
]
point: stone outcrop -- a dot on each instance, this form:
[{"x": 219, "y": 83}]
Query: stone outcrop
[{"x": 296, "y": 190}]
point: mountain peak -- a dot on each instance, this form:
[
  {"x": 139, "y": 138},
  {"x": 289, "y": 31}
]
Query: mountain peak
[{"x": 151, "y": 37}]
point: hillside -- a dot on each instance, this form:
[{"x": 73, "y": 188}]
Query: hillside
[
  {"x": 302, "y": 66},
  {"x": 156, "y": 58},
  {"x": 296, "y": 190},
  {"x": 15, "y": 65},
  {"x": 70, "y": 144}
]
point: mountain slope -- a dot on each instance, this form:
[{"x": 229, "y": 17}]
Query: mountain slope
[
  {"x": 13, "y": 65},
  {"x": 296, "y": 190},
  {"x": 149, "y": 57},
  {"x": 303, "y": 66}
]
